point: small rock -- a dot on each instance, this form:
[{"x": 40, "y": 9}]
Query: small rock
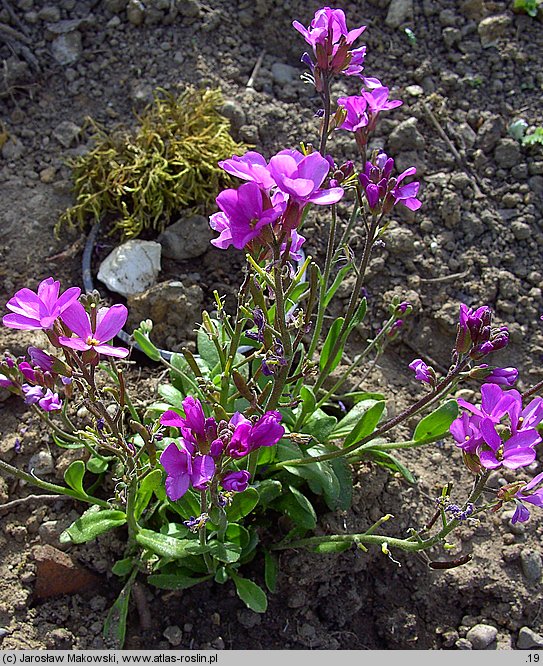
[
  {"x": 218, "y": 643},
  {"x": 49, "y": 531},
  {"x": 283, "y": 74},
  {"x": 489, "y": 133},
  {"x": 248, "y": 619},
  {"x": 49, "y": 13},
  {"x": 399, "y": 11},
  {"x": 481, "y": 636},
  {"x": 131, "y": 268},
  {"x": 235, "y": 114},
  {"x": 507, "y": 153},
  {"x": 67, "y": 48},
  {"x": 12, "y": 149},
  {"x": 531, "y": 565},
  {"x": 57, "y": 573},
  {"x": 173, "y": 635},
  {"x": 521, "y": 230},
  {"x": 115, "y": 6},
  {"x": 47, "y": 175},
  {"x": 135, "y": 12},
  {"x": 491, "y": 28},
  {"x": 400, "y": 241},
  {"x": 173, "y": 308},
  {"x": 66, "y": 133},
  {"x": 406, "y": 136},
  {"x": 186, "y": 239},
  {"x": 529, "y": 639},
  {"x": 463, "y": 644},
  {"x": 41, "y": 463}
]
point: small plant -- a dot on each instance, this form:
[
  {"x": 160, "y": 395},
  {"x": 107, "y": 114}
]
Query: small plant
[
  {"x": 530, "y": 7},
  {"x": 261, "y": 423},
  {"x": 534, "y": 137},
  {"x": 133, "y": 181}
]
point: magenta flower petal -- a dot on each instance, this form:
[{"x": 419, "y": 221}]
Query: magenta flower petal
[
  {"x": 110, "y": 322},
  {"x": 77, "y": 320},
  {"x": 171, "y": 418},
  {"x": 521, "y": 514},
  {"x": 109, "y": 350},
  {"x": 326, "y": 197},
  {"x": 314, "y": 167},
  {"x": 20, "y": 322},
  {"x": 194, "y": 415},
  {"x": 203, "y": 469},
  {"x": 25, "y": 302},
  {"x": 48, "y": 292},
  {"x": 177, "y": 486},
  {"x": 78, "y": 344}
]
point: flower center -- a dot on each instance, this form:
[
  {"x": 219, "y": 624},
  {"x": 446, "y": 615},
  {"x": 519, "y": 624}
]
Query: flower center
[{"x": 92, "y": 341}]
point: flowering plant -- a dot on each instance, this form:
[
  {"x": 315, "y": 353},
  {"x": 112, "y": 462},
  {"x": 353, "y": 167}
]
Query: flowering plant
[{"x": 255, "y": 425}]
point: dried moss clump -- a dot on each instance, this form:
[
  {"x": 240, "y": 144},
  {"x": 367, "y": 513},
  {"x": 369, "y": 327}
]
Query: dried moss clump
[{"x": 134, "y": 181}]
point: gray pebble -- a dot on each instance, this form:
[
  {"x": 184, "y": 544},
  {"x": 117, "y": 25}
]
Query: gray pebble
[
  {"x": 529, "y": 639},
  {"x": 173, "y": 635},
  {"x": 481, "y": 636},
  {"x": 531, "y": 565},
  {"x": 41, "y": 463}
]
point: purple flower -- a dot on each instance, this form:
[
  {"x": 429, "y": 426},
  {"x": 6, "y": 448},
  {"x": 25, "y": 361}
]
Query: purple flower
[
  {"x": 178, "y": 465},
  {"x": 362, "y": 111},
  {"x": 475, "y": 333},
  {"x": 109, "y": 321},
  {"x": 196, "y": 430},
  {"x": 423, "y": 373},
  {"x": 5, "y": 382},
  {"x": 32, "y": 394},
  {"x": 527, "y": 494},
  {"x": 245, "y": 212},
  {"x": 296, "y": 242},
  {"x": 239, "y": 445},
  {"x": 40, "y": 359},
  {"x": 203, "y": 469},
  {"x": 32, "y": 311},
  {"x": 236, "y": 481},
  {"x": 27, "y": 371},
  {"x": 499, "y": 432},
  {"x": 383, "y": 191},
  {"x": 252, "y": 167},
  {"x": 356, "y": 117},
  {"x": 267, "y": 431},
  {"x": 274, "y": 359},
  {"x": 50, "y": 402},
  {"x": 331, "y": 41},
  {"x": 301, "y": 176},
  {"x": 377, "y": 101},
  {"x": 502, "y": 376}
]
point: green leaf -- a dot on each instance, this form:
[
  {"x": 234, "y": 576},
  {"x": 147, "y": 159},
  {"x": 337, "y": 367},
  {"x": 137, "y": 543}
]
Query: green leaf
[
  {"x": 173, "y": 396},
  {"x": 123, "y": 567},
  {"x": 238, "y": 534},
  {"x": 145, "y": 345},
  {"x": 320, "y": 476},
  {"x": 320, "y": 426},
  {"x": 329, "y": 344},
  {"x": 225, "y": 552},
  {"x": 298, "y": 508},
  {"x": 344, "y": 476},
  {"x": 271, "y": 568},
  {"x": 337, "y": 282},
  {"x": 349, "y": 421},
  {"x": 242, "y": 504},
  {"x": 97, "y": 465},
  {"x": 359, "y": 315},
  {"x": 366, "y": 424},
  {"x": 74, "y": 477},
  {"x": 115, "y": 622},
  {"x": 251, "y": 594},
  {"x": 64, "y": 444},
  {"x": 309, "y": 401},
  {"x": 437, "y": 423},
  {"x": 268, "y": 490},
  {"x": 206, "y": 348},
  {"x": 145, "y": 491},
  {"x": 387, "y": 460},
  {"x": 167, "y": 546},
  {"x": 92, "y": 523},
  {"x": 175, "y": 581}
]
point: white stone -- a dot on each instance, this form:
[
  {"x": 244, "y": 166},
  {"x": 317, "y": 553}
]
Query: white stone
[{"x": 131, "y": 268}]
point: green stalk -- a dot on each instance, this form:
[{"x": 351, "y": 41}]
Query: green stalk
[
  {"x": 411, "y": 544},
  {"x": 52, "y": 487}
]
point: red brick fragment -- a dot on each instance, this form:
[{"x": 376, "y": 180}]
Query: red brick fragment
[{"x": 57, "y": 573}]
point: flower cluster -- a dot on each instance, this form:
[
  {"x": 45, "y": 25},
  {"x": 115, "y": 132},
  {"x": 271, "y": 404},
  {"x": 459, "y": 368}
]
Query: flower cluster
[
  {"x": 383, "y": 191},
  {"x": 69, "y": 327},
  {"x": 270, "y": 205},
  {"x": 206, "y": 449},
  {"x": 331, "y": 43},
  {"x": 500, "y": 431},
  {"x": 475, "y": 333}
]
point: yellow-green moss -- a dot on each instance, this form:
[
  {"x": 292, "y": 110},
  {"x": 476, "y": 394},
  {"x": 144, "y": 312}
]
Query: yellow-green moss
[{"x": 133, "y": 181}]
